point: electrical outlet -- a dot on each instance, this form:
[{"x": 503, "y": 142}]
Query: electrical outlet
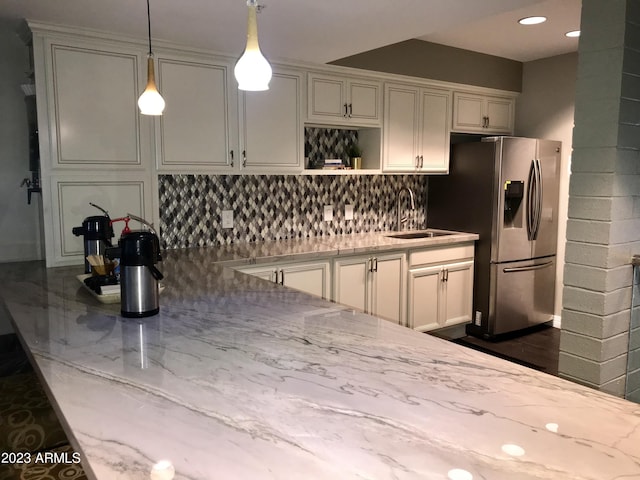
[
  {"x": 227, "y": 219},
  {"x": 478, "y": 318},
  {"x": 328, "y": 213},
  {"x": 348, "y": 212}
]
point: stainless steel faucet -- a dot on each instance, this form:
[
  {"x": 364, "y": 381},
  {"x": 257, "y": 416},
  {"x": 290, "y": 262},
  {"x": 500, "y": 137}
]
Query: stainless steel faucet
[{"x": 401, "y": 220}]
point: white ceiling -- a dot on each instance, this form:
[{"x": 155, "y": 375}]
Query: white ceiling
[{"x": 320, "y": 31}]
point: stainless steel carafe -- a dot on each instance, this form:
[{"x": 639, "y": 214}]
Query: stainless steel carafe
[
  {"x": 97, "y": 233},
  {"x": 139, "y": 251}
]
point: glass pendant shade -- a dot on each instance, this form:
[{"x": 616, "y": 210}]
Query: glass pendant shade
[
  {"x": 151, "y": 102},
  {"x": 252, "y": 71}
]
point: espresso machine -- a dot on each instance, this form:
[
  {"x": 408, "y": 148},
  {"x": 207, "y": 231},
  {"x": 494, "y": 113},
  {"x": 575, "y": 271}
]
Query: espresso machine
[
  {"x": 138, "y": 251},
  {"x": 97, "y": 232}
]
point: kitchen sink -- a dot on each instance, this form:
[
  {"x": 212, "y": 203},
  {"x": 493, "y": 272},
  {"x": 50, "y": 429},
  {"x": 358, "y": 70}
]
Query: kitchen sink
[{"x": 419, "y": 234}]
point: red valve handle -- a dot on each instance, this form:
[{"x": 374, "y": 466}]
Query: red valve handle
[{"x": 126, "y": 220}]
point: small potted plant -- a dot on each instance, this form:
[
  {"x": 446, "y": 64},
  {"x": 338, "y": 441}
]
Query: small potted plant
[{"x": 355, "y": 156}]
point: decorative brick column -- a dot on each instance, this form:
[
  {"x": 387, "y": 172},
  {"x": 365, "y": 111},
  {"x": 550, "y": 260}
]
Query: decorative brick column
[{"x": 603, "y": 228}]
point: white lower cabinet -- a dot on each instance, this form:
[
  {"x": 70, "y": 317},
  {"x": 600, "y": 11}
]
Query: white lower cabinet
[
  {"x": 309, "y": 277},
  {"x": 440, "y": 291},
  {"x": 424, "y": 289},
  {"x": 373, "y": 284}
]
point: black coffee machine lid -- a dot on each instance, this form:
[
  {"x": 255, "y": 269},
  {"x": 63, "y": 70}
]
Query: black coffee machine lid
[
  {"x": 139, "y": 248},
  {"x": 97, "y": 227}
]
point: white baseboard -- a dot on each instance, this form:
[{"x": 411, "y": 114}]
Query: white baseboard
[{"x": 557, "y": 321}]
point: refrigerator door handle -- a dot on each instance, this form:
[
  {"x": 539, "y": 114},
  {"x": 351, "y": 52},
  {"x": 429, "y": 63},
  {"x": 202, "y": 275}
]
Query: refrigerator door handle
[
  {"x": 539, "y": 266},
  {"x": 538, "y": 217},
  {"x": 530, "y": 200}
]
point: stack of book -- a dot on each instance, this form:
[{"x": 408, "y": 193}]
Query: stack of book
[{"x": 333, "y": 164}]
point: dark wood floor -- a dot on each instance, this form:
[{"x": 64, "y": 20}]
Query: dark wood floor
[{"x": 537, "y": 348}]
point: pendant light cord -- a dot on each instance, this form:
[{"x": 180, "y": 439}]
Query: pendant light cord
[{"x": 149, "y": 25}]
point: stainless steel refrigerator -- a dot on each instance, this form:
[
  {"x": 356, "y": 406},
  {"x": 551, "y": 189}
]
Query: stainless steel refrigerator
[{"x": 506, "y": 190}]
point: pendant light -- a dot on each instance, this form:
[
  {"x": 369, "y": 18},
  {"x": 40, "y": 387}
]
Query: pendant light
[
  {"x": 150, "y": 102},
  {"x": 252, "y": 70}
]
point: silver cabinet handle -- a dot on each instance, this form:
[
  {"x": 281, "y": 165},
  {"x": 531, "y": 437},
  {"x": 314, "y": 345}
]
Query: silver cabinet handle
[
  {"x": 417, "y": 161},
  {"x": 445, "y": 274},
  {"x": 345, "y": 111},
  {"x": 231, "y": 156},
  {"x": 370, "y": 265},
  {"x": 244, "y": 158},
  {"x": 375, "y": 264},
  {"x": 350, "y": 109},
  {"x": 279, "y": 274},
  {"x": 275, "y": 275},
  {"x": 421, "y": 161}
]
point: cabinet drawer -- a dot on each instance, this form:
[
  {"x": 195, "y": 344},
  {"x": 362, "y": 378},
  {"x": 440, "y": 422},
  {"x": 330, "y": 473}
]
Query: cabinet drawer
[{"x": 441, "y": 254}]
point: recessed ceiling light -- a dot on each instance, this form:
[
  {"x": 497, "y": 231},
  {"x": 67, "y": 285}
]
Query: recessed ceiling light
[
  {"x": 572, "y": 34},
  {"x": 532, "y": 20}
]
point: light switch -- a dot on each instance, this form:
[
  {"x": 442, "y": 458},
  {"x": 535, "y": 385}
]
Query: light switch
[
  {"x": 227, "y": 219},
  {"x": 328, "y": 213},
  {"x": 348, "y": 212}
]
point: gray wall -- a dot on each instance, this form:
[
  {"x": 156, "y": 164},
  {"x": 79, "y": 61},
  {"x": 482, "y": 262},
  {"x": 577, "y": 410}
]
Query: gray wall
[
  {"x": 603, "y": 228},
  {"x": 19, "y": 223},
  {"x": 545, "y": 109},
  {"x": 418, "y": 58}
]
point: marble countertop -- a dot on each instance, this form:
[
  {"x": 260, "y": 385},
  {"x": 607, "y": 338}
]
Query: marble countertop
[
  {"x": 332, "y": 245},
  {"x": 241, "y": 378}
]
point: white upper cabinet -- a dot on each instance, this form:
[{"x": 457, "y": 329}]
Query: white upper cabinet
[
  {"x": 416, "y": 129},
  {"x": 271, "y": 138},
  {"x": 474, "y": 113},
  {"x": 195, "y": 128},
  {"x": 339, "y": 100},
  {"x": 92, "y": 92}
]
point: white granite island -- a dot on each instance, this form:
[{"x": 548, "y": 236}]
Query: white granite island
[{"x": 239, "y": 378}]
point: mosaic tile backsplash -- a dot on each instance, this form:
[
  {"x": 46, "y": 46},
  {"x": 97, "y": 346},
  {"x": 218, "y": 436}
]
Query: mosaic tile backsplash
[
  {"x": 276, "y": 207},
  {"x": 321, "y": 143}
]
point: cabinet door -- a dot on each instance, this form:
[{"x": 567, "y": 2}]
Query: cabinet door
[
  {"x": 92, "y": 94},
  {"x": 364, "y": 102},
  {"x": 468, "y": 112},
  {"x": 272, "y": 126},
  {"x": 311, "y": 278},
  {"x": 327, "y": 100},
  {"x": 350, "y": 282},
  {"x": 194, "y": 129},
  {"x": 424, "y": 298},
  {"x": 500, "y": 113},
  {"x": 458, "y": 290},
  {"x": 387, "y": 287},
  {"x": 480, "y": 113},
  {"x": 434, "y": 133},
  {"x": 266, "y": 272},
  {"x": 401, "y": 128},
  {"x": 343, "y": 101}
]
